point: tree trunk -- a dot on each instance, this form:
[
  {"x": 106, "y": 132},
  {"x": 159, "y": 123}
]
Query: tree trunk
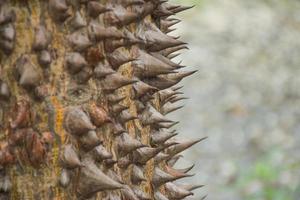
[{"x": 85, "y": 87}]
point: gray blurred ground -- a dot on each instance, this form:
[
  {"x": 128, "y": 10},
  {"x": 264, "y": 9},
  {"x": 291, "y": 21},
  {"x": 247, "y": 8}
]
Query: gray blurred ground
[{"x": 245, "y": 97}]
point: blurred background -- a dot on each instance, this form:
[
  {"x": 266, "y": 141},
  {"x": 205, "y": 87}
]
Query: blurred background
[{"x": 245, "y": 98}]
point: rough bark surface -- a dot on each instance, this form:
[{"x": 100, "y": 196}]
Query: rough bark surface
[{"x": 84, "y": 89}]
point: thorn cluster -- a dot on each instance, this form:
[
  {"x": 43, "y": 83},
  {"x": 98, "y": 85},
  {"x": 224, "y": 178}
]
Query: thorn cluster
[{"x": 106, "y": 98}]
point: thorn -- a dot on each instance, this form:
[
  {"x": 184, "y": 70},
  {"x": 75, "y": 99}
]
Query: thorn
[
  {"x": 147, "y": 65},
  {"x": 78, "y": 21},
  {"x": 150, "y": 116},
  {"x": 186, "y": 170},
  {"x": 120, "y": 16},
  {"x": 44, "y": 58},
  {"x": 168, "y": 80},
  {"x": 118, "y": 108},
  {"x": 176, "y": 173},
  {"x": 126, "y": 116},
  {"x": 77, "y": 122},
  {"x": 130, "y": 38},
  {"x": 176, "y": 37},
  {"x": 167, "y": 23},
  {"x": 157, "y": 40},
  {"x": 144, "y": 154},
  {"x": 127, "y": 3},
  {"x": 176, "y": 99},
  {"x": 159, "y": 137},
  {"x": 84, "y": 75},
  {"x": 93, "y": 180},
  {"x": 95, "y": 8},
  {"x": 190, "y": 187},
  {"x": 166, "y": 94},
  {"x": 126, "y": 144},
  {"x": 161, "y": 82},
  {"x": 160, "y": 157},
  {"x": 89, "y": 141},
  {"x": 29, "y": 74},
  {"x": 75, "y": 62},
  {"x": 168, "y": 108},
  {"x": 159, "y": 196},
  {"x": 166, "y": 60},
  {"x": 180, "y": 75},
  {"x": 167, "y": 126},
  {"x": 113, "y": 98},
  {"x": 6, "y": 184},
  {"x": 128, "y": 193},
  {"x": 162, "y": 11},
  {"x": 115, "y": 81},
  {"x": 112, "y": 196},
  {"x": 182, "y": 8},
  {"x": 183, "y": 146},
  {"x": 170, "y": 6},
  {"x": 109, "y": 163},
  {"x": 41, "y": 38},
  {"x": 118, "y": 58},
  {"x": 64, "y": 179},
  {"x": 100, "y": 153},
  {"x": 175, "y": 192},
  {"x": 172, "y": 161},
  {"x": 176, "y": 88},
  {"x": 141, "y": 89},
  {"x": 69, "y": 158},
  {"x": 171, "y": 56},
  {"x": 140, "y": 193},
  {"x": 118, "y": 129},
  {"x": 103, "y": 70},
  {"x": 170, "y": 50},
  {"x": 140, "y": 107},
  {"x": 113, "y": 175},
  {"x": 59, "y": 10},
  {"x": 79, "y": 41},
  {"x": 98, "y": 32},
  {"x": 170, "y": 30},
  {"x": 160, "y": 177},
  {"x": 137, "y": 175},
  {"x": 7, "y": 15}
]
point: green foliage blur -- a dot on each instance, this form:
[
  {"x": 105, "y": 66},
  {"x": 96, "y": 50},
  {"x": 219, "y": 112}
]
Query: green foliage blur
[{"x": 262, "y": 180}]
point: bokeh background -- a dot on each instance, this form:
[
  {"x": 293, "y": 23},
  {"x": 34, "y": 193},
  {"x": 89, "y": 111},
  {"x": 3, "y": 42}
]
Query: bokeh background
[{"x": 245, "y": 98}]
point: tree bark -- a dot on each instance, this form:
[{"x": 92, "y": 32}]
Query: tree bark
[{"x": 53, "y": 97}]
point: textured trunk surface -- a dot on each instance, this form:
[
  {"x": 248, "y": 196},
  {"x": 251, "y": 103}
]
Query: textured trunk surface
[{"x": 84, "y": 87}]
